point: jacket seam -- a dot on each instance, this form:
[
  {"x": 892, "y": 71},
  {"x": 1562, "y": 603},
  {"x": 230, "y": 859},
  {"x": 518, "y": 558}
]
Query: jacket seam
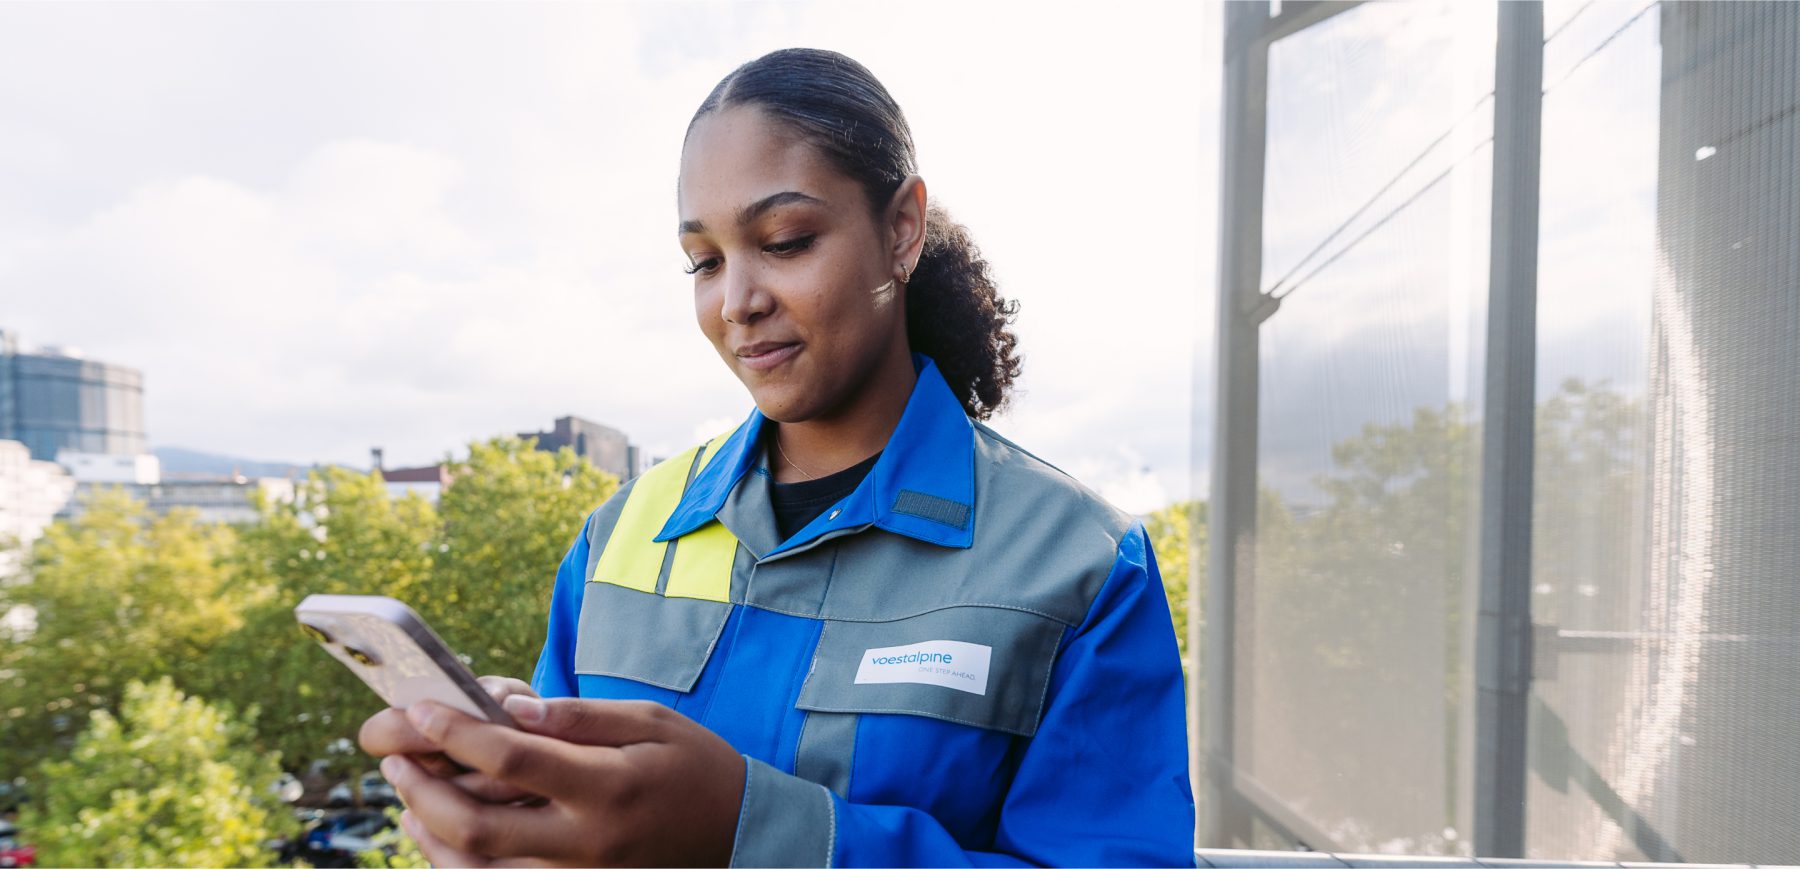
[
  {"x": 643, "y": 679},
  {"x": 831, "y": 826},
  {"x": 913, "y": 614},
  {"x": 743, "y": 810},
  {"x": 815, "y": 707}
]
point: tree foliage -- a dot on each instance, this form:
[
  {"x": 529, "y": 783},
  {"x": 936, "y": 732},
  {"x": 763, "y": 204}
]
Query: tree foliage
[
  {"x": 342, "y": 534},
  {"x": 121, "y": 594},
  {"x": 169, "y": 781},
  {"x": 478, "y": 568},
  {"x": 118, "y": 595},
  {"x": 393, "y": 848},
  {"x": 507, "y": 519},
  {"x": 1178, "y": 537}
]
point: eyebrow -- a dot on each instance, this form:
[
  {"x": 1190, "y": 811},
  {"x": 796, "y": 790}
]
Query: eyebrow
[{"x": 756, "y": 209}]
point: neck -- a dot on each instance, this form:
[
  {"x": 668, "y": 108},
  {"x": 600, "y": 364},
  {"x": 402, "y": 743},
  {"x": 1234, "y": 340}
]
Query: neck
[{"x": 828, "y": 444}]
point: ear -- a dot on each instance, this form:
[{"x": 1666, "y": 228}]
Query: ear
[{"x": 906, "y": 224}]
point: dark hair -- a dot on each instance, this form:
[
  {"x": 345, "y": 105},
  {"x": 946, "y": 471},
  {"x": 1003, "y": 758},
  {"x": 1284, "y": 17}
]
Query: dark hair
[{"x": 954, "y": 312}]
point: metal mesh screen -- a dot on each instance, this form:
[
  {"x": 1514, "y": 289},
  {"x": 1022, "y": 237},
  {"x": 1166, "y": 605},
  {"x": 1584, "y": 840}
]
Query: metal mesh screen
[
  {"x": 1664, "y": 700},
  {"x": 1666, "y": 721},
  {"x": 1352, "y": 633}
]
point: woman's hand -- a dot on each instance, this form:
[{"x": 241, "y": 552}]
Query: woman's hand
[
  {"x": 625, "y": 783},
  {"x": 389, "y": 732}
]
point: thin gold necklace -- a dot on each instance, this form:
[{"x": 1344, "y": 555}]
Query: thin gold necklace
[{"x": 784, "y": 457}]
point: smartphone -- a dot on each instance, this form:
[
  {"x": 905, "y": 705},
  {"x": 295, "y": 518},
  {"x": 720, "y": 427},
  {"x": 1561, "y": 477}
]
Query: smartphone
[{"x": 395, "y": 653}]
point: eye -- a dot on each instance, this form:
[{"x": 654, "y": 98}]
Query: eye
[
  {"x": 791, "y": 246},
  {"x": 704, "y": 266}
]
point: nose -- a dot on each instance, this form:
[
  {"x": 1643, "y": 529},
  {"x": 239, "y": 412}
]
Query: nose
[{"x": 746, "y": 300}]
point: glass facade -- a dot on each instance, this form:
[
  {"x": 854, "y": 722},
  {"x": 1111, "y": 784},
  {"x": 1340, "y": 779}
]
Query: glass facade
[
  {"x": 56, "y": 403},
  {"x": 1355, "y": 569}
]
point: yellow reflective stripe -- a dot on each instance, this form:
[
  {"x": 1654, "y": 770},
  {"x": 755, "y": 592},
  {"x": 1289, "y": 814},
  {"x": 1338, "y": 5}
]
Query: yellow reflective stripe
[
  {"x": 632, "y": 558},
  {"x": 702, "y": 567}
]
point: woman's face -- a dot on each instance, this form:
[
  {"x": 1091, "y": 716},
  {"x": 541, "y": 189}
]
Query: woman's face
[{"x": 789, "y": 267}]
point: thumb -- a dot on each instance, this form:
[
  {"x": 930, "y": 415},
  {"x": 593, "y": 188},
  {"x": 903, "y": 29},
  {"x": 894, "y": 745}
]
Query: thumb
[{"x": 590, "y": 722}]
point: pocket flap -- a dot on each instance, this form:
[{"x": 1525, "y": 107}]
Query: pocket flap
[
  {"x": 983, "y": 666},
  {"x": 645, "y": 637}
]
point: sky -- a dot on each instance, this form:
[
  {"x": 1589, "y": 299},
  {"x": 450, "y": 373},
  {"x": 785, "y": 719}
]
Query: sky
[{"x": 319, "y": 228}]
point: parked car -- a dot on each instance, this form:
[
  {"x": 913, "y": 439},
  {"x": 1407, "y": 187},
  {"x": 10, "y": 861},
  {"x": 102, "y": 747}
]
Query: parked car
[
  {"x": 287, "y": 788},
  {"x": 375, "y": 792},
  {"x": 13, "y": 853},
  {"x": 357, "y": 837},
  {"x": 336, "y": 840}
]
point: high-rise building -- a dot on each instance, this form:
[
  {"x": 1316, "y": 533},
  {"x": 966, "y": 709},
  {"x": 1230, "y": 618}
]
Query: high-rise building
[{"x": 54, "y": 400}]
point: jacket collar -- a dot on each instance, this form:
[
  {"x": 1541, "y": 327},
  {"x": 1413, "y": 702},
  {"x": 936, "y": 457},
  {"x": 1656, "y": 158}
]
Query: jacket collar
[{"x": 923, "y": 486}]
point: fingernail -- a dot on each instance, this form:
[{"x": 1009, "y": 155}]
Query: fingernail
[
  {"x": 390, "y": 767},
  {"x": 423, "y": 716},
  {"x": 527, "y": 709}
]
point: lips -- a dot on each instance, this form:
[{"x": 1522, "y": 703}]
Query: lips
[{"x": 765, "y": 355}]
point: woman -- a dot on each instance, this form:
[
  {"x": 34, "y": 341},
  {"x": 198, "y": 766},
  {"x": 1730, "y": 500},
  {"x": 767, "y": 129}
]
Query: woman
[{"x": 868, "y": 629}]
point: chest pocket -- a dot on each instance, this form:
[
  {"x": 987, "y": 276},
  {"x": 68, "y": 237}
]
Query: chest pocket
[
  {"x": 983, "y": 666},
  {"x": 646, "y": 637}
]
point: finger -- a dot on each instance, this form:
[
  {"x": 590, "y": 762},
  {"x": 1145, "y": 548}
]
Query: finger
[
  {"x": 537, "y": 764},
  {"x": 436, "y": 851},
  {"x": 470, "y": 828},
  {"x": 488, "y": 789},
  {"x": 438, "y": 764},
  {"x": 502, "y": 687},
  {"x": 389, "y": 732},
  {"x": 616, "y": 723}
]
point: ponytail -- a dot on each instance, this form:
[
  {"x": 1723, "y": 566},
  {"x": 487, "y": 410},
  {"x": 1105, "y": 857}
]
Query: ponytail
[{"x": 955, "y": 315}]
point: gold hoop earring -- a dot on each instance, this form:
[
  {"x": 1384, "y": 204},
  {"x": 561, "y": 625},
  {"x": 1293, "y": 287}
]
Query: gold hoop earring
[{"x": 905, "y": 276}]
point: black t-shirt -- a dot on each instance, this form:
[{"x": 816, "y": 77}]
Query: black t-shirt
[{"x": 799, "y": 503}]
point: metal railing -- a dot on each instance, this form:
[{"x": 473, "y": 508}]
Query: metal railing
[{"x": 1245, "y": 859}]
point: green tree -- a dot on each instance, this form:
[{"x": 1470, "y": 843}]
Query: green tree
[
  {"x": 393, "y": 849},
  {"x": 170, "y": 781},
  {"x": 118, "y": 594},
  {"x": 509, "y": 515},
  {"x": 479, "y": 568},
  {"x": 121, "y": 594},
  {"x": 342, "y": 534},
  {"x": 1178, "y": 536}
]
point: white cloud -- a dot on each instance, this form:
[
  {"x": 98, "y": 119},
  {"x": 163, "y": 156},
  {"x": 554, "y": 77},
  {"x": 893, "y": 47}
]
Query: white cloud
[
  {"x": 1122, "y": 478},
  {"x": 321, "y": 228}
]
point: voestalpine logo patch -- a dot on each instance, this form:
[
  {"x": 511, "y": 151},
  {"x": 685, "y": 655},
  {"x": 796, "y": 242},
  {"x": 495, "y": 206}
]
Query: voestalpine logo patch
[{"x": 949, "y": 663}]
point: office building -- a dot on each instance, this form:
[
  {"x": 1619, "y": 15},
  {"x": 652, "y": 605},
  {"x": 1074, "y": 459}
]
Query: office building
[
  {"x": 227, "y": 501},
  {"x": 605, "y": 447},
  {"x": 54, "y": 399}
]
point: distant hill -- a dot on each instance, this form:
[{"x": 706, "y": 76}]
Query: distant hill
[{"x": 179, "y": 462}]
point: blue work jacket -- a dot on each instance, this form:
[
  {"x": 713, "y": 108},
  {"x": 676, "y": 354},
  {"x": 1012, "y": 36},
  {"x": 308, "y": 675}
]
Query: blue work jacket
[{"x": 967, "y": 661}]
